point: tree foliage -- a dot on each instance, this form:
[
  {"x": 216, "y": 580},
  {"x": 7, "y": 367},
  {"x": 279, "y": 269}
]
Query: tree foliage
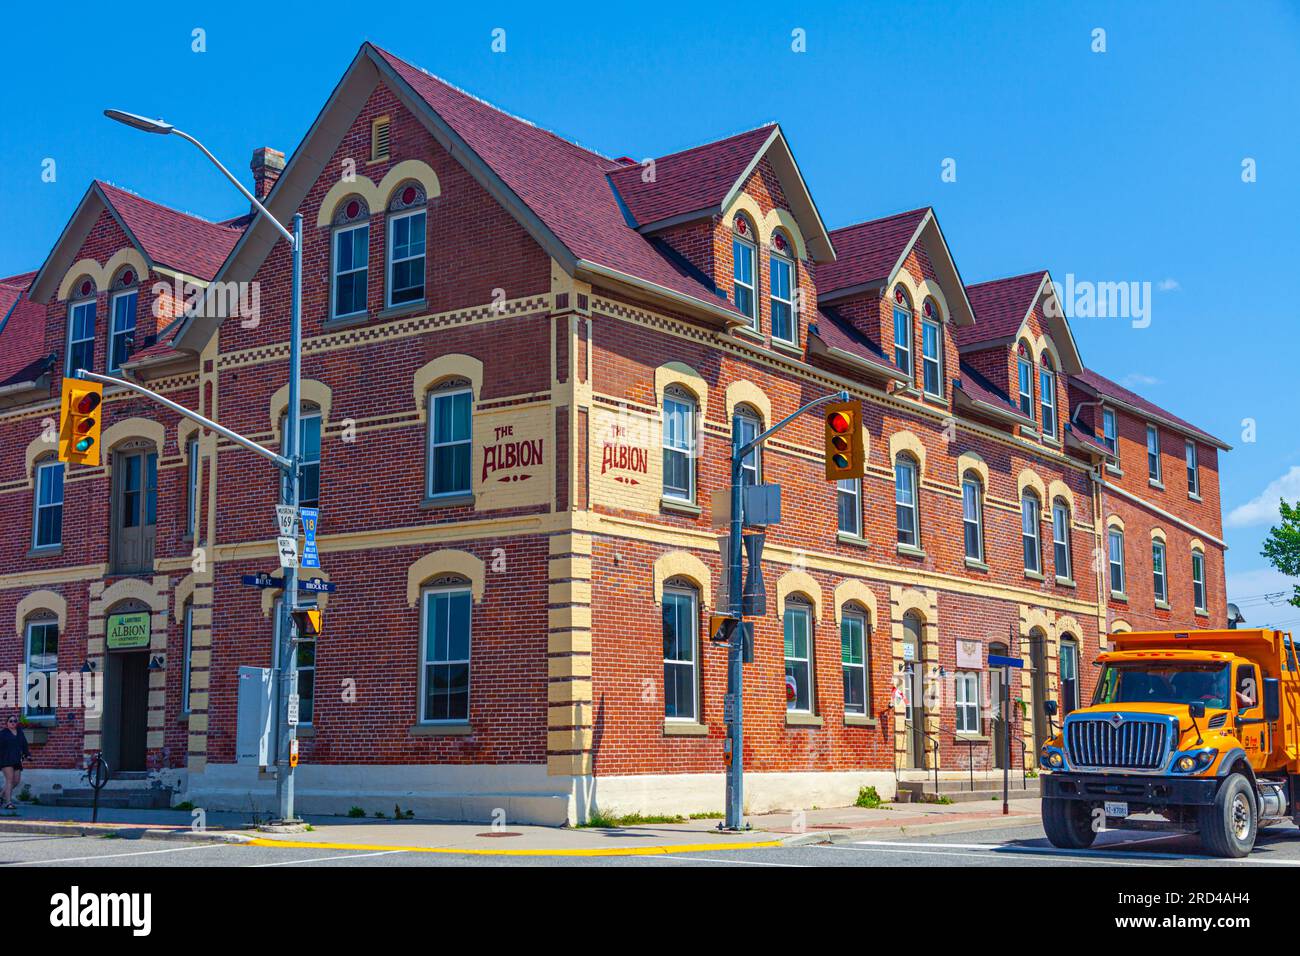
[{"x": 1282, "y": 546}]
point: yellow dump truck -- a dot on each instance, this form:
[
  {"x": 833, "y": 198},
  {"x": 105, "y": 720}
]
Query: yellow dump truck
[{"x": 1201, "y": 728}]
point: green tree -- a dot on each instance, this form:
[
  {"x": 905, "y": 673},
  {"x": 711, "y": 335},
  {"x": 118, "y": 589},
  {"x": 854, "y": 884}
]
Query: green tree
[{"x": 1282, "y": 546}]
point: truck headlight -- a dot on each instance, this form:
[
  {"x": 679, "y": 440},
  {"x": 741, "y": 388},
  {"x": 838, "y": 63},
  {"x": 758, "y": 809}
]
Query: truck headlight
[
  {"x": 1194, "y": 761},
  {"x": 1054, "y": 760}
]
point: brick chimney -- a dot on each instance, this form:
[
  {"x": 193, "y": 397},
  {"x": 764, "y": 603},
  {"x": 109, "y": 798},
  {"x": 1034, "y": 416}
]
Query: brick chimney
[{"x": 267, "y": 165}]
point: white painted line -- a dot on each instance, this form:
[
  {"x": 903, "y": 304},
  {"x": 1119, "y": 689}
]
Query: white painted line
[
  {"x": 110, "y": 856},
  {"x": 1100, "y": 860},
  {"x": 326, "y": 859},
  {"x": 706, "y": 859}
]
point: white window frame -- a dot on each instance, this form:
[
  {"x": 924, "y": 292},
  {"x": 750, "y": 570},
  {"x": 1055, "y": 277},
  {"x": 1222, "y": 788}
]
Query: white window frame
[
  {"x": 434, "y": 445},
  {"x": 804, "y": 610},
  {"x": 852, "y": 617},
  {"x": 1110, "y": 437},
  {"x": 335, "y": 275},
  {"x": 1198, "y": 582},
  {"x": 753, "y": 462},
  {"x": 1032, "y": 530},
  {"x": 1153, "y": 432},
  {"x": 391, "y": 260},
  {"x": 1061, "y": 540},
  {"x": 191, "y": 493},
  {"x": 967, "y": 709},
  {"x": 739, "y": 245},
  {"x": 38, "y": 507},
  {"x": 73, "y": 309},
  {"x": 1160, "y": 571},
  {"x": 849, "y": 489},
  {"x": 775, "y": 260},
  {"x": 114, "y": 333},
  {"x": 189, "y": 656},
  {"x": 969, "y": 481},
  {"x": 692, "y": 596},
  {"x": 935, "y": 360},
  {"x": 1025, "y": 383},
  {"x": 681, "y": 445},
  {"x": 1047, "y": 398},
  {"x": 903, "y": 344},
  {"x": 307, "y": 413},
  {"x": 27, "y": 663},
  {"x": 1193, "y": 469},
  {"x": 425, "y": 595},
  {"x": 913, "y": 483},
  {"x": 1113, "y": 535}
]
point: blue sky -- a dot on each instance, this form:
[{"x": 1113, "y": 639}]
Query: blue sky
[{"x": 1116, "y": 166}]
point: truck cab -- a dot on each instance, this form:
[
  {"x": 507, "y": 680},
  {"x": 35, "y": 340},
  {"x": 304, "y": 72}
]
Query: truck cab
[{"x": 1198, "y": 727}]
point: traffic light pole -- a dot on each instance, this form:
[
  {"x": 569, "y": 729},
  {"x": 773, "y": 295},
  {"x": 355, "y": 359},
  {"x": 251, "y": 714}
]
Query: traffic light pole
[{"x": 735, "y": 801}]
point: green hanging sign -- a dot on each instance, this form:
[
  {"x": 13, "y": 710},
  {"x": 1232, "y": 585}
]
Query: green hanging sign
[{"x": 125, "y": 631}]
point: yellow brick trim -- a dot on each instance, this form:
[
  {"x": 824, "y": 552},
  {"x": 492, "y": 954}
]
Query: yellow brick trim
[
  {"x": 576, "y": 739},
  {"x": 566, "y": 691},
  {"x": 854, "y": 590},
  {"x": 569, "y": 642},
  {"x": 1028, "y": 478},
  {"x": 683, "y": 564},
  {"x": 49, "y": 601},
  {"x": 799, "y": 582},
  {"x": 971, "y": 461},
  {"x": 445, "y": 561},
  {"x": 441, "y": 368},
  {"x": 569, "y": 592},
  {"x": 572, "y": 665},
  {"x": 562, "y": 568},
  {"x": 906, "y": 441},
  {"x": 568, "y": 617},
  {"x": 568, "y": 765},
  {"x": 744, "y": 392},
  {"x": 681, "y": 374}
]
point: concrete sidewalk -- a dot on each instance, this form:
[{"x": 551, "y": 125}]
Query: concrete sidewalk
[{"x": 833, "y": 825}]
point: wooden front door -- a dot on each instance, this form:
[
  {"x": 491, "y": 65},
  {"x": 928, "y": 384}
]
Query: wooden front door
[
  {"x": 134, "y": 715},
  {"x": 135, "y": 507}
]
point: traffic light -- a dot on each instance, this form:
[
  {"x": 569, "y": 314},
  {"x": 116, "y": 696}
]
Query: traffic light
[
  {"x": 79, "y": 422},
  {"x": 844, "y": 451},
  {"x": 308, "y": 620}
]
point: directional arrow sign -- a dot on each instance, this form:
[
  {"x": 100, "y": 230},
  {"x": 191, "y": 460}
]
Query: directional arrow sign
[{"x": 288, "y": 548}]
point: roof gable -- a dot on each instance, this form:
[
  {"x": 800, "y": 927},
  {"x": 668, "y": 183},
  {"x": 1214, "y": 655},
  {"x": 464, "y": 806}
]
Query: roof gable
[
  {"x": 1099, "y": 385},
  {"x": 22, "y": 330},
  {"x": 1003, "y": 306}
]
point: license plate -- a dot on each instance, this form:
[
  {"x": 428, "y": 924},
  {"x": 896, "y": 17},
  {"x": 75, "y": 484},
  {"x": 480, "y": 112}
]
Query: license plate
[{"x": 1116, "y": 808}]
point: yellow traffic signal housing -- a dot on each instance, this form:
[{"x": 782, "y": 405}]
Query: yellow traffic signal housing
[
  {"x": 79, "y": 422},
  {"x": 845, "y": 456},
  {"x": 309, "y": 620}
]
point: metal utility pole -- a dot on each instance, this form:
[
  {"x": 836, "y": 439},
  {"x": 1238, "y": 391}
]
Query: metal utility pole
[
  {"x": 734, "y": 709},
  {"x": 289, "y": 463}
]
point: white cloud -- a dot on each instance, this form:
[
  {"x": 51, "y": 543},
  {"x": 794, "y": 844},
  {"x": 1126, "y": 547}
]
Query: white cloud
[
  {"x": 1262, "y": 509},
  {"x": 1138, "y": 380},
  {"x": 1168, "y": 285}
]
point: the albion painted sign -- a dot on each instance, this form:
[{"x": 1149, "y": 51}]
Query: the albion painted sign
[
  {"x": 126, "y": 631},
  {"x": 624, "y": 456},
  {"x": 511, "y": 458},
  {"x": 513, "y": 462},
  {"x": 626, "y": 465}
]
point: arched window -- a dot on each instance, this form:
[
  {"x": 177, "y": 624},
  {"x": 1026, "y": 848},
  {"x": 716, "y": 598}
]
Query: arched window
[
  {"x": 41, "y": 652},
  {"x": 451, "y": 439},
  {"x": 907, "y": 512},
  {"x": 406, "y": 241},
  {"x": 680, "y": 409},
  {"x": 848, "y": 504},
  {"x": 972, "y": 515},
  {"x": 931, "y": 349},
  {"x": 350, "y": 258},
  {"x": 744, "y": 268},
  {"x": 81, "y": 328},
  {"x": 751, "y": 426},
  {"x": 1061, "y": 540},
  {"x": 855, "y": 645},
  {"x": 1069, "y": 674},
  {"x": 1115, "y": 552},
  {"x": 1198, "y": 580},
  {"x": 1025, "y": 377},
  {"x": 135, "y": 507},
  {"x": 1047, "y": 396},
  {"x": 1159, "y": 572},
  {"x": 122, "y": 309},
  {"x": 681, "y": 639},
  {"x": 781, "y": 268},
  {"x": 798, "y": 655},
  {"x": 445, "y": 651},
  {"x": 902, "y": 331},
  {"x": 1030, "y": 518},
  {"x": 47, "y": 514},
  {"x": 309, "y": 438}
]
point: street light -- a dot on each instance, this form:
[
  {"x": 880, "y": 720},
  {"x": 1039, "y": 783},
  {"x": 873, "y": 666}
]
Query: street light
[{"x": 285, "y": 657}]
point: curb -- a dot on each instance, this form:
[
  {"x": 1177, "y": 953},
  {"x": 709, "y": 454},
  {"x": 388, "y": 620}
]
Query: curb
[
  {"x": 49, "y": 828},
  {"x": 914, "y": 830}
]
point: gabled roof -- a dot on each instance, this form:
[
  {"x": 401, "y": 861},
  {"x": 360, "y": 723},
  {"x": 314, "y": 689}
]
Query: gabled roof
[
  {"x": 705, "y": 179},
  {"x": 22, "y": 332},
  {"x": 834, "y": 337},
  {"x": 870, "y": 254},
  {"x": 978, "y": 393},
  {"x": 166, "y": 237},
  {"x": 1003, "y": 305},
  {"x": 1099, "y": 385}
]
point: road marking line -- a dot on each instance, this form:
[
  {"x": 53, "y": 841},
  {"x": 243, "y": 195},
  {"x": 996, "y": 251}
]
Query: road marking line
[
  {"x": 599, "y": 851},
  {"x": 325, "y": 859},
  {"x": 705, "y": 859},
  {"x": 110, "y": 856},
  {"x": 1105, "y": 861}
]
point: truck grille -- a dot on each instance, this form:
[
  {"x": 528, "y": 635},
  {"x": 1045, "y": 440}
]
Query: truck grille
[{"x": 1138, "y": 744}]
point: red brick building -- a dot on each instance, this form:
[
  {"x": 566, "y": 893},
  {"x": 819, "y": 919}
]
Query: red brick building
[{"x": 522, "y": 363}]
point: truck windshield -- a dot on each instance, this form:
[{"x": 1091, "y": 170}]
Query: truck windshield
[{"x": 1155, "y": 683}]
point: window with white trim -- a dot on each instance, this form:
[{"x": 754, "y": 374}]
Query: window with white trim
[
  {"x": 902, "y": 331},
  {"x": 1110, "y": 430},
  {"x": 192, "y": 486},
  {"x": 967, "y": 694},
  {"x": 1115, "y": 546},
  {"x": 679, "y": 444},
  {"x": 350, "y": 259},
  {"x": 1030, "y": 521},
  {"x": 1025, "y": 379},
  {"x": 1193, "y": 470},
  {"x": 931, "y": 351},
  {"x": 445, "y": 655},
  {"x": 681, "y": 651},
  {"x": 848, "y": 499},
  {"x": 1061, "y": 539},
  {"x": 1198, "y": 580},
  {"x": 905, "y": 505},
  {"x": 187, "y": 664},
  {"x": 972, "y": 516},
  {"x": 81, "y": 337},
  {"x": 1153, "y": 454},
  {"x": 47, "y": 519},
  {"x": 42, "y": 657},
  {"x": 1047, "y": 396},
  {"x": 798, "y": 656},
  {"x": 1159, "y": 571},
  {"x": 854, "y": 652},
  {"x": 309, "y": 428},
  {"x": 751, "y": 426},
  {"x": 743, "y": 268},
  {"x": 406, "y": 246},
  {"x": 122, "y": 335},
  {"x": 781, "y": 278},
  {"x": 450, "y": 442}
]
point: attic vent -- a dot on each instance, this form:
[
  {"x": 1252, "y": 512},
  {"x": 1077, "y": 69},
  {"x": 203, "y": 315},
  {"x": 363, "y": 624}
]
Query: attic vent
[{"x": 379, "y": 138}]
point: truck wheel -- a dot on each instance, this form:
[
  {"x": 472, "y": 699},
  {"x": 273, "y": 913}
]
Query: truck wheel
[
  {"x": 1229, "y": 825},
  {"x": 1068, "y": 823}
]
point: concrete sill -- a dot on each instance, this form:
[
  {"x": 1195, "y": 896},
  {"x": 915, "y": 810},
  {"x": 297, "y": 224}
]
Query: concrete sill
[
  {"x": 450, "y": 501},
  {"x": 860, "y": 720},
  {"x": 1162, "y": 605},
  {"x": 1156, "y": 484},
  {"x": 976, "y": 565},
  {"x": 684, "y": 728},
  {"x": 745, "y": 331},
  {"x": 49, "y": 551},
  {"x": 802, "y": 720},
  {"x": 1114, "y": 470},
  {"x": 843, "y": 537},
  {"x": 909, "y": 551},
  {"x": 1049, "y": 440},
  {"x": 681, "y": 507},
  {"x": 1034, "y": 576},
  {"x": 1192, "y": 496},
  {"x": 36, "y": 735},
  {"x": 345, "y": 322},
  {"x": 1119, "y": 596},
  {"x": 788, "y": 348},
  {"x": 974, "y": 738},
  {"x": 1065, "y": 582},
  {"x": 441, "y": 730},
  {"x": 1202, "y": 613},
  {"x": 397, "y": 311}
]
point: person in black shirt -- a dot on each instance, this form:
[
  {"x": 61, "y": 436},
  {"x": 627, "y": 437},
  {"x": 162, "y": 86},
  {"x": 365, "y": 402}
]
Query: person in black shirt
[{"x": 13, "y": 751}]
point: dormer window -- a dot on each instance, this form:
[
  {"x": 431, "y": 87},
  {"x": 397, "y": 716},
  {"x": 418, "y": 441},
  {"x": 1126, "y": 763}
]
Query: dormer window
[
  {"x": 1025, "y": 378},
  {"x": 781, "y": 269},
  {"x": 742, "y": 269},
  {"x": 1047, "y": 396},
  {"x": 406, "y": 232},
  {"x": 81, "y": 330},
  {"x": 122, "y": 307},
  {"x": 902, "y": 331},
  {"x": 351, "y": 258},
  {"x": 931, "y": 350}
]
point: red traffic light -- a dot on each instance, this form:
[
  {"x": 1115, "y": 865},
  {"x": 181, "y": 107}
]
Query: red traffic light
[
  {"x": 86, "y": 404},
  {"x": 838, "y": 422}
]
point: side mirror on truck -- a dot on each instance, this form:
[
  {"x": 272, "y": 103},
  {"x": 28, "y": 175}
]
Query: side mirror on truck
[
  {"x": 1050, "y": 707},
  {"x": 1196, "y": 710},
  {"x": 1272, "y": 699}
]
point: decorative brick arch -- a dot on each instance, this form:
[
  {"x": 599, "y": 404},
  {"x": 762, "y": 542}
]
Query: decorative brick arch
[
  {"x": 747, "y": 393},
  {"x": 129, "y": 428},
  {"x": 683, "y": 564},
  {"x": 376, "y": 196},
  {"x": 311, "y": 392},
  {"x": 1059, "y": 489},
  {"x": 1066, "y": 624},
  {"x": 37, "y": 449},
  {"x": 854, "y": 591},
  {"x": 906, "y": 441},
  {"x": 1029, "y": 478},
  {"x": 925, "y": 289},
  {"x": 443, "y": 367},
  {"x": 914, "y": 292},
  {"x": 782, "y": 219},
  {"x": 102, "y": 276},
  {"x": 1196, "y": 544},
  {"x": 182, "y": 593},
  {"x": 1158, "y": 534},
  {"x": 971, "y": 461},
  {"x": 683, "y": 376},
  {"x": 799, "y": 582},
  {"x": 50, "y": 601},
  {"x": 1120, "y": 627},
  {"x": 133, "y": 589},
  {"x": 1114, "y": 521},
  {"x": 446, "y": 561},
  {"x": 1035, "y": 617}
]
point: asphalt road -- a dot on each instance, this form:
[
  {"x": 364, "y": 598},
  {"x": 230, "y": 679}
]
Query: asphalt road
[{"x": 1018, "y": 847}]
